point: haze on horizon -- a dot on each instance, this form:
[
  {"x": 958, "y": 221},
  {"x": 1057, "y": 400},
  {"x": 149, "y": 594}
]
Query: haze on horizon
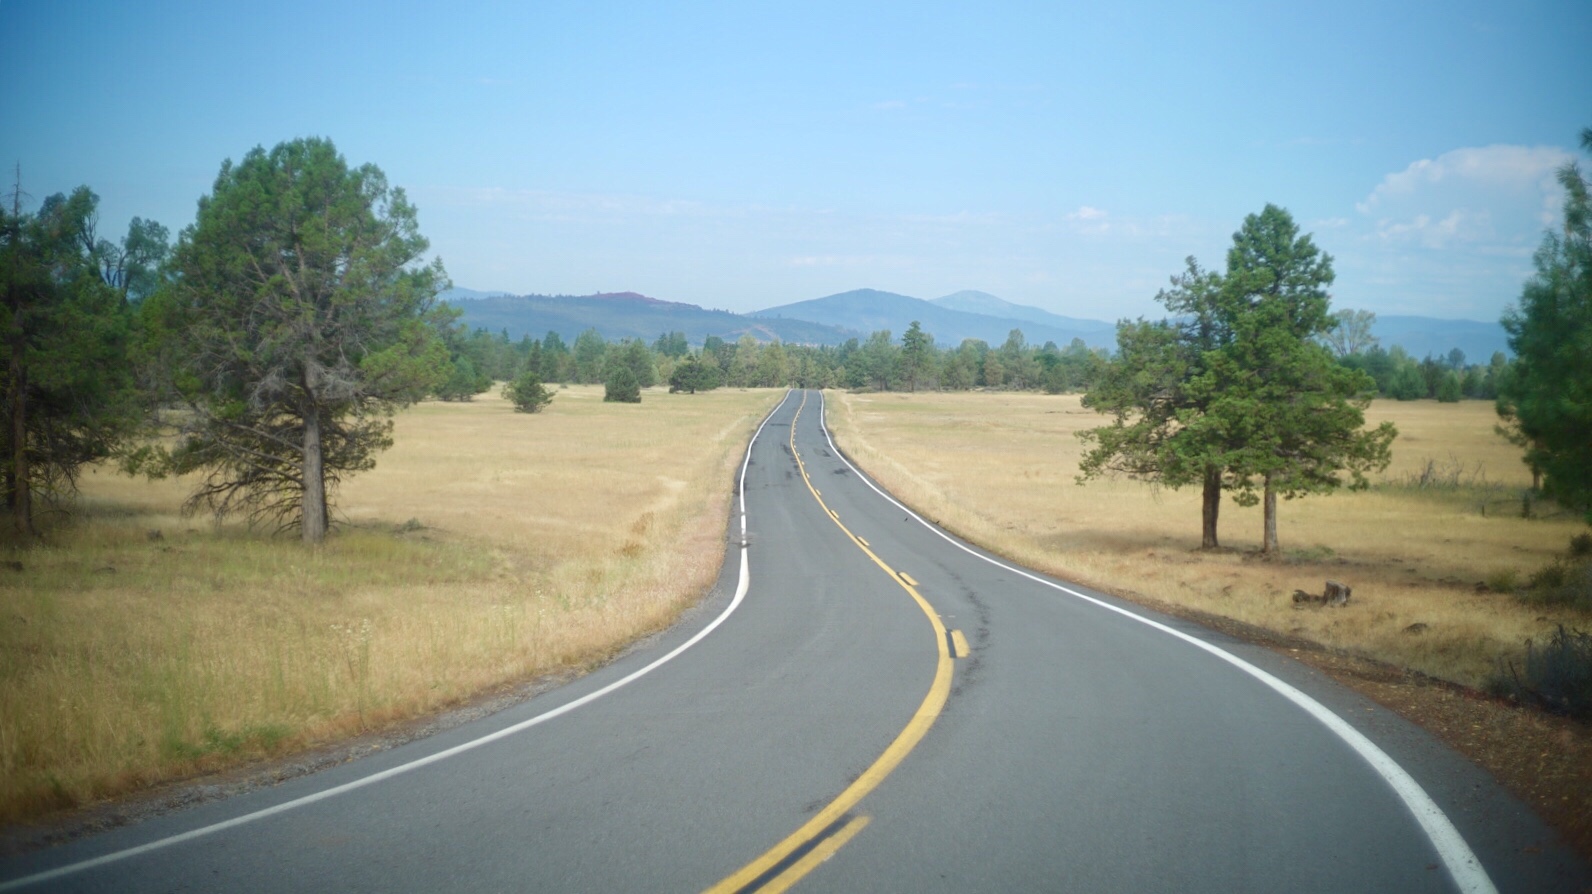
[{"x": 742, "y": 158}]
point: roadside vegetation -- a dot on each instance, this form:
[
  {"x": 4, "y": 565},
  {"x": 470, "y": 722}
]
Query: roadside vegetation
[
  {"x": 1437, "y": 562},
  {"x": 487, "y": 548}
]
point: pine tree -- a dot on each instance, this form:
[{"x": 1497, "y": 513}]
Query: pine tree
[
  {"x": 1545, "y": 398},
  {"x": 301, "y": 318},
  {"x": 1240, "y": 394},
  {"x": 621, "y": 386},
  {"x": 527, "y": 393},
  {"x": 69, "y": 394}
]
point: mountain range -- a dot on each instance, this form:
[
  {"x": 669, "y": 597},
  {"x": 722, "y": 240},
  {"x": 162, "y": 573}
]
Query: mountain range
[{"x": 833, "y": 319}]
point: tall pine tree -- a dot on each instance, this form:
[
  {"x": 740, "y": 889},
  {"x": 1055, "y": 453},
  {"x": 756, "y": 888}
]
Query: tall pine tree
[
  {"x": 301, "y": 318},
  {"x": 69, "y": 395},
  {"x": 1547, "y": 392}
]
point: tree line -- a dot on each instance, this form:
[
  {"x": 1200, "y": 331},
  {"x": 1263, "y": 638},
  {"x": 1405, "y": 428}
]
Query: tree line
[
  {"x": 1400, "y": 376},
  {"x": 879, "y": 362},
  {"x": 268, "y": 347}
]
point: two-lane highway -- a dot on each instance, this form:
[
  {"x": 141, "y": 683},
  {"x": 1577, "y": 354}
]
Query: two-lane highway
[{"x": 873, "y": 706}]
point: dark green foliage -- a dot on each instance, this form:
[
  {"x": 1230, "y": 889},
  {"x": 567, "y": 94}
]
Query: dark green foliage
[
  {"x": 69, "y": 394},
  {"x": 1556, "y": 676},
  {"x": 589, "y": 355},
  {"x": 634, "y": 354},
  {"x": 621, "y": 386},
  {"x": 300, "y": 318},
  {"x": 1449, "y": 388},
  {"x": 693, "y": 375},
  {"x": 133, "y": 265},
  {"x": 1407, "y": 383},
  {"x": 1546, "y": 398},
  {"x": 463, "y": 381},
  {"x": 672, "y": 344},
  {"x": 916, "y": 362},
  {"x": 1240, "y": 394},
  {"x": 527, "y": 393},
  {"x": 554, "y": 361}
]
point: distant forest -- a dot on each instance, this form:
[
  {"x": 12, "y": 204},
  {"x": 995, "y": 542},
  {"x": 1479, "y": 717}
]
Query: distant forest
[{"x": 884, "y": 362}]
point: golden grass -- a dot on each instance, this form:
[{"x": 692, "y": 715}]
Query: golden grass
[
  {"x": 999, "y": 469},
  {"x": 537, "y": 542}
]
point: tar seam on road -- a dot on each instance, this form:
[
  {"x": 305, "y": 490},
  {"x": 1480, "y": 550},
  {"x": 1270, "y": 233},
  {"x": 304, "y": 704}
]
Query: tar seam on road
[
  {"x": 761, "y": 874},
  {"x": 1459, "y": 860},
  {"x": 742, "y": 585}
]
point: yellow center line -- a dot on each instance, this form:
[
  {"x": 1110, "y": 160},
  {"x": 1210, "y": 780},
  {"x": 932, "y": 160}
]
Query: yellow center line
[
  {"x": 821, "y": 851},
  {"x": 905, "y": 741}
]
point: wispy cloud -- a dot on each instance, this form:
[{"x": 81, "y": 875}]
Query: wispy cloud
[{"x": 1522, "y": 170}]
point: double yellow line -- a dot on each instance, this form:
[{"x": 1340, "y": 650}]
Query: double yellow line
[{"x": 786, "y": 863}]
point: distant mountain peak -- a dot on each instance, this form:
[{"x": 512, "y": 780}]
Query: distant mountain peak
[{"x": 638, "y": 298}]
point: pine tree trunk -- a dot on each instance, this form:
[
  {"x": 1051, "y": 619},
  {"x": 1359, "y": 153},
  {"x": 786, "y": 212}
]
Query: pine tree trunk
[
  {"x": 1268, "y": 545},
  {"x": 1212, "y": 508},
  {"x": 313, "y": 523},
  {"x": 18, "y": 472}
]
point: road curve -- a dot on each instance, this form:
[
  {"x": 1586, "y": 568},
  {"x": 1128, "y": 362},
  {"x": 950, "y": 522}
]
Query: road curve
[{"x": 866, "y": 704}]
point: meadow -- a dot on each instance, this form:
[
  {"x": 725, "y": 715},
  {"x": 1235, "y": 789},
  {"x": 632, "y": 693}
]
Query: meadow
[
  {"x": 1432, "y": 550},
  {"x": 487, "y": 548}
]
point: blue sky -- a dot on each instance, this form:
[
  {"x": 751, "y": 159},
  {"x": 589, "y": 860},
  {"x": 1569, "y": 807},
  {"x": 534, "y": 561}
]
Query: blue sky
[{"x": 743, "y": 155}]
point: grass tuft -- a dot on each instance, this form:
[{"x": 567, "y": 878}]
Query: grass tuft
[{"x": 1556, "y": 676}]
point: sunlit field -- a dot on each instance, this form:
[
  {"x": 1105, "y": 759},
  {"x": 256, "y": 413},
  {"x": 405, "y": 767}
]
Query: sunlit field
[
  {"x": 486, "y": 548},
  {"x": 1427, "y": 550}
]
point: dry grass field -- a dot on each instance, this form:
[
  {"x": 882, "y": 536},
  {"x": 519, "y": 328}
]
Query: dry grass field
[
  {"x": 486, "y": 548},
  {"x": 1424, "y": 560}
]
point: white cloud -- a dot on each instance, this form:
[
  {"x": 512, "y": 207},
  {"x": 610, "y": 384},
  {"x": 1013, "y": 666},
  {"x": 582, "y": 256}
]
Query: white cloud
[
  {"x": 1085, "y": 212},
  {"x": 1495, "y": 196},
  {"x": 1450, "y": 235},
  {"x": 1512, "y": 169},
  {"x": 1459, "y": 225}
]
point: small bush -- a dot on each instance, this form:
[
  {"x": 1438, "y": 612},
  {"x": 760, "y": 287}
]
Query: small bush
[
  {"x": 1581, "y": 545},
  {"x": 1557, "y": 676},
  {"x": 1566, "y": 582},
  {"x": 1505, "y": 580},
  {"x": 622, "y": 386},
  {"x": 1550, "y": 577},
  {"x": 527, "y": 393}
]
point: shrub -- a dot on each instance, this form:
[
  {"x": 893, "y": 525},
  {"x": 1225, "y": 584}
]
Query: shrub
[
  {"x": 1566, "y": 582},
  {"x": 1581, "y": 545},
  {"x": 693, "y": 376},
  {"x": 1557, "y": 676},
  {"x": 1505, "y": 580},
  {"x": 527, "y": 393},
  {"x": 621, "y": 386}
]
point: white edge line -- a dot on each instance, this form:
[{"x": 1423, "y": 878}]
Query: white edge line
[
  {"x": 742, "y": 585},
  {"x": 1461, "y": 862}
]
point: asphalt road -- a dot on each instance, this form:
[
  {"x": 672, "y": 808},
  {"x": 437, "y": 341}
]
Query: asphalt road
[{"x": 864, "y": 704}]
